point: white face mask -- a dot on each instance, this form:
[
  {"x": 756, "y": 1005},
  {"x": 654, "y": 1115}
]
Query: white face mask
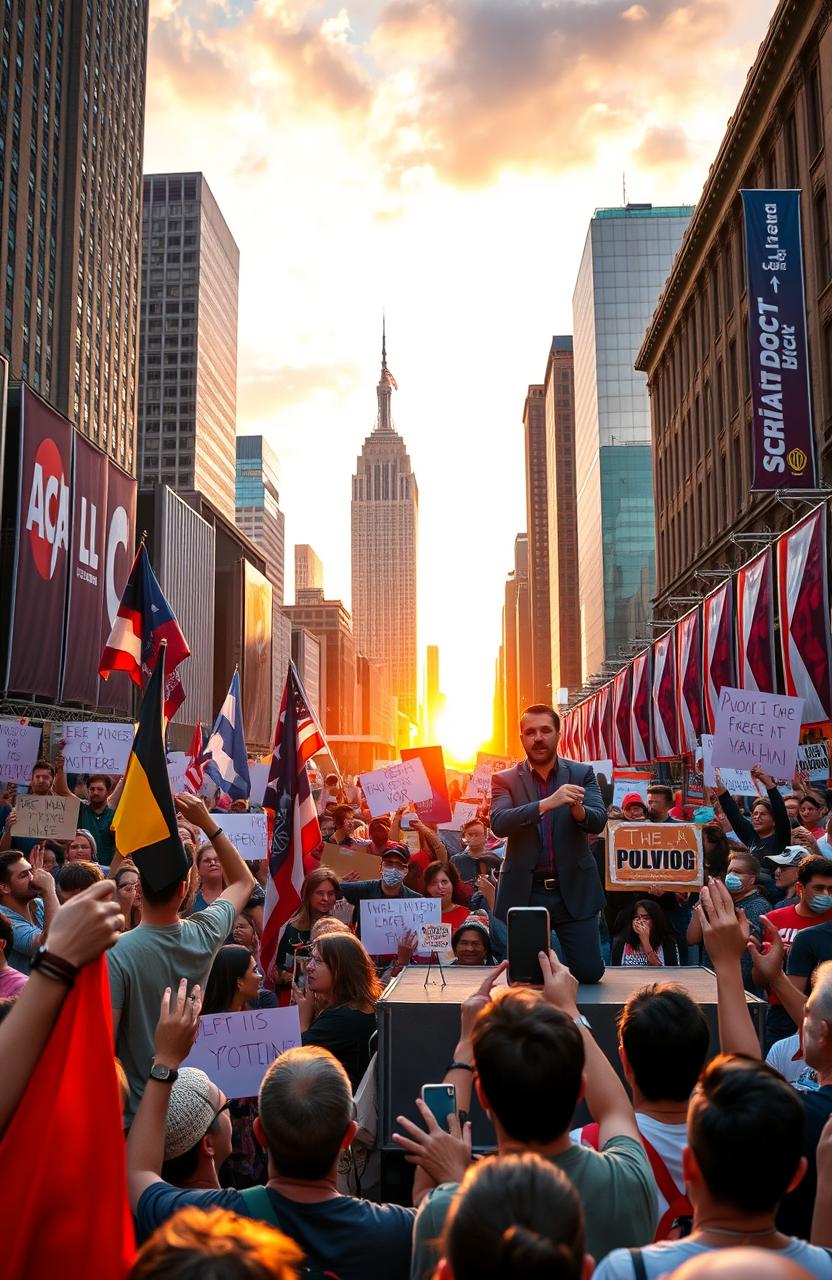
[{"x": 392, "y": 876}]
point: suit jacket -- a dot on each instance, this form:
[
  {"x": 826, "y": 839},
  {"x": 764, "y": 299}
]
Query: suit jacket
[{"x": 515, "y": 814}]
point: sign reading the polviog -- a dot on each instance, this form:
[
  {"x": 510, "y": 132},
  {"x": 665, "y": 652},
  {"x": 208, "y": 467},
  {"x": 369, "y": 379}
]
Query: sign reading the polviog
[
  {"x": 19, "y": 748},
  {"x": 385, "y": 921},
  {"x": 95, "y": 748},
  {"x": 754, "y": 728},
  {"x": 387, "y": 789},
  {"x": 641, "y": 854},
  {"x": 235, "y": 1049}
]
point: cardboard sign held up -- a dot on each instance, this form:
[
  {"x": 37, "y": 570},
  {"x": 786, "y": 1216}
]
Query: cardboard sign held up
[
  {"x": 434, "y": 937},
  {"x": 235, "y": 1049},
  {"x": 641, "y": 854},
  {"x": 91, "y": 747},
  {"x": 19, "y": 749},
  {"x": 248, "y": 832},
  {"x": 46, "y": 817},
  {"x": 343, "y": 860},
  {"x": 385, "y": 921}
]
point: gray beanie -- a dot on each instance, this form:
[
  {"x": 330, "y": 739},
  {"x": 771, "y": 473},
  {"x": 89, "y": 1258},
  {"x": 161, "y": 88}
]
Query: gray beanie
[{"x": 190, "y": 1112}]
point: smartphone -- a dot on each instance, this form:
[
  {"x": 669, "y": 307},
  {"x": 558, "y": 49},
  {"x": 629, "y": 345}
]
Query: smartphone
[
  {"x": 528, "y": 934},
  {"x": 300, "y": 972},
  {"x": 440, "y": 1099}
]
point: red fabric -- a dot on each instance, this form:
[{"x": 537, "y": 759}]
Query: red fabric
[
  {"x": 455, "y": 917},
  {"x": 788, "y": 923},
  {"x": 67, "y": 1132}
]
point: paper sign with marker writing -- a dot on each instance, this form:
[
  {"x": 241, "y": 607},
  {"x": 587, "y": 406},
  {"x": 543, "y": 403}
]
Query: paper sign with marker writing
[
  {"x": 95, "y": 748},
  {"x": 259, "y": 775},
  {"x": 813, "y": 761},
  {"x": 737, "y": 782},
  {"x": 236, "y": 1049},
  {"x": 464, "y": 811},
  {"x": 479, "y": 784},
  {"x": 177, "y": 764},
  {"x": 754, "y": 728},
  {"x": 627, "y": 781},
  {"x": 19, "y": 749},
  {"x": 386, "y": 790},
  {"x": 434, "y": 937},
  {"x": 248, "y": 833},
  {"x": 385, "y": 921},
  {"x": 47, "y": 817}
]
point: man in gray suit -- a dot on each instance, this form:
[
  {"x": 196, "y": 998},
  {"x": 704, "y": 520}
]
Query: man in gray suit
[{"x": 547, "y": 807}]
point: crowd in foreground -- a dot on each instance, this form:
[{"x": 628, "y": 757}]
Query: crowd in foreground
[{"x": 697, "y": 1165}]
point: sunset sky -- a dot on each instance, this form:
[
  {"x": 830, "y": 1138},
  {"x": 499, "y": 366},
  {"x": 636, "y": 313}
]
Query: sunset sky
[{"x": 440, "y": 161}]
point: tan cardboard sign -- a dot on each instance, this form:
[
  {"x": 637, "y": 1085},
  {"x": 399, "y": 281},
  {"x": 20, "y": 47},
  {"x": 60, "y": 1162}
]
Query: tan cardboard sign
[{"x": 641, "y": 854}]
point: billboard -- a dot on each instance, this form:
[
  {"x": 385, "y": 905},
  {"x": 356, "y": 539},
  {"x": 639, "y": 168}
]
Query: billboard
[
  {"x": 257, "y": 656},
  {"x": 119, "y": 551},
  {"x": 86, "y": 573}
]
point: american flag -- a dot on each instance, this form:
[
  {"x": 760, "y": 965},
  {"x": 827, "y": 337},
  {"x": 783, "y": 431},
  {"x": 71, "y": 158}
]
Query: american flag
[
  {"x": 295, "y": 829},
  {"x": 195, "y": 770}
]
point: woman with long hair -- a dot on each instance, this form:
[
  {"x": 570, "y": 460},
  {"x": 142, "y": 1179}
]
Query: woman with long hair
[
  {"x": 442, "y": 881},
  {"x": 338, "y": 1007},
  {"x": 646, "y": 939},
  {"x": 209, "y": 869},
  {"x": 716, "y": 850},
  {"x": 318, "y": 894}
]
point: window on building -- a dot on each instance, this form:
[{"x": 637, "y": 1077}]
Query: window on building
[
  {"x": 733, "y": 379},
  {"x": 728, "y": 276},
  {"x": 717, "y": 319},
  {"x": 792, "y": 157},
  {"x": 814, "y": 110},
  {"x": 822, "y": 254}
]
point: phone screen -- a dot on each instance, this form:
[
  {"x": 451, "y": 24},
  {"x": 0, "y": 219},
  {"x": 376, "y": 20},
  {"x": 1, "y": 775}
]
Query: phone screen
[
  {"x": 440, "y": 1099},
  {"x": 528, "y": 934}
]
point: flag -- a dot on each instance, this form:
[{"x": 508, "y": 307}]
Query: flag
[
  {"x": 640, "y": 736},
  {"x": 665, "y": 732},
  {"x": 803, "y": 595},
  {"x": 689, "y": 681},
  {"x": 226, "y": 757},
  {"x": 145, "y": 820},
  {"x": 295, "y": 828},
  {"x": 53, "y": 1141},
  {"x": 603, "y": 723},
  {"x": 621, "y": 700},
  {"x": 194, "y": 770},
  {"x": 144, "y": 619},
  {"x": 755, "y": 625},
  {"x": 718, "y": 649}
]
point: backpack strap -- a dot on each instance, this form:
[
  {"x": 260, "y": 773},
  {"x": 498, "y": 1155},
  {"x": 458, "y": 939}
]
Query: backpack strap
[
  {"x": 259, "y": 1205},
  {"x": 678, "y": 1205},
  {"x": 637, "y": 1259}
]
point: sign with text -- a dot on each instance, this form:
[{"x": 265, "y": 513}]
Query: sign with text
[
  {"x": 248, "y": 833},
  {"x": 813, "y": 761},
  {"x": 438, "y": 807},
  {"x": 385, "y": 921},
  {"x": 641, "y": 854},
  {"x": 259, "y": 775},
  {"x": 343, "y": 860},
  {"x": 95, "y": 748},
  {"x": 19, "y": 749},
  {"x": 236, "y": 1049},
  {"x": 464, "y": 811},
  {"x": 784, "y": 447},
  {"x": 435, "y": 938},
  {"x": 630, "y": 780},
  {"x": 385, "y": 790},
  {"x": 47, "y": 817},
  {"x": 479, "y": 784},
  {"x": 737, "y": 782},
  {"x": 754, "y": 728},
  {"x": 177, "y": 764}
]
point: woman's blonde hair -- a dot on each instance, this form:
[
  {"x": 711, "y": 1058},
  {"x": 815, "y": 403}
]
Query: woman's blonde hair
[{"x": 302, "y": 919}]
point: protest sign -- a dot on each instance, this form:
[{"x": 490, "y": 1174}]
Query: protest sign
[
  {"x": 259, "y": 775},
  {"x": 248, "y": 833},
  {"x": 737, "y": 782},
  {"x": 434, "y": 937},
  {"x": 342, "y": 860},
  {"x": 601, "y": 768},
  {"x": 438, "y": 807},
  {"x": 641, "y": 854},
  {"x": 19, "y": 749},
  {"x": 625, "y": 781},
  {"x": 479, "y": 784},
  {"x": 464, "y": 811},
  {"x": 90, "y": 747},
  {"x": 813, "y": 761},
  {"x": 47, "y": 817},
  {"x": 235, "y": 1049},
  {"x": 754, "y": 728},
  {"x": 177, "y": 764},
  {"x": 385, "y": 790},
  {"x": 385, "y": 921}
]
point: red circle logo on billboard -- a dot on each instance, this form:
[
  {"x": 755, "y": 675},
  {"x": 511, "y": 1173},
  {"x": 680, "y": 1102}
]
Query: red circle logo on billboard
[{"x": 47, "y": 515}]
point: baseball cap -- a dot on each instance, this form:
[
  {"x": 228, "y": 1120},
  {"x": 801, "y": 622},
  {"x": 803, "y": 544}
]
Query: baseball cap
[
  {"x": 190, "y": 1112},
  {"x": 633, "y": 797},
  {"x": 791, "y": 855},
  {"x": 396, "y": 851}
]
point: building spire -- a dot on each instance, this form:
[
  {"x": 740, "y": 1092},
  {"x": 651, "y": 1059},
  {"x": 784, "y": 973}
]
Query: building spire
[
  {"x": 386, "y": 385},
  {"x": 383, "y": 343}
]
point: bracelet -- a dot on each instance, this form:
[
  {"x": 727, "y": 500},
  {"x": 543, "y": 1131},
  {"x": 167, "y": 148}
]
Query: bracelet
[
  {"x": 212, "y": 837},
  {"x": 55, "y": 967},
  {"x": 461, "y": 1066}
]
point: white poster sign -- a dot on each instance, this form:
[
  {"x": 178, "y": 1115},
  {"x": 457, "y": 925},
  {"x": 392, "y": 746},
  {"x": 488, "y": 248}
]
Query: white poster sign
[
  {"x": 177, "y": 764},
  {"x": 737, "y": 782},
  {"x": 813, "y": 761},
  {"x": 385, "y": 921},
  {"x": 259, "y": 775},
  {"x": 754, "y": 728},
  {"x": 248, "y": 833},
  {"x": 95, "y": 748},
  {"x": 19, "y": 749},
  {"x": 387, "y": 789},
  {"x": 464, "y": 811},
  {"x": 235, "y": 1049}
]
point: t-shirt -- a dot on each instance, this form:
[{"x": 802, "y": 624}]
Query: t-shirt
[
  {"x": 143, "y": 962},
  {"x": 617, "y": 1191},
  {"x": 809, "y": 949},
  {"x": 786, "y": 1056},
  {"x": 352, "y": 1238},
  {"x": 794, "y": 1216},
  {"x": 346, "y": 1033},
  {"x": 669, "y": 1141},
  {"x": 789, "y": 924},
  {"x": 98, "y": 825},
  {"x": 12, "y": 982},
  {"x": 25, "y": 935},
  {"x": 663, "y": 1258}
]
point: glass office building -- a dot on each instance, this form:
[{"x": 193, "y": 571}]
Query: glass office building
[{"x": 626, "y": 259}]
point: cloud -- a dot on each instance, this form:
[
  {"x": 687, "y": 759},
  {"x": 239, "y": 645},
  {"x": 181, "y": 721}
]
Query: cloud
[
  {"x": 265, "y": 390},
  {"x": 664, "y": 147}
]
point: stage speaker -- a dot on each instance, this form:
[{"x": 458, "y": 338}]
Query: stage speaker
[{"x": 418, "y": 1028}]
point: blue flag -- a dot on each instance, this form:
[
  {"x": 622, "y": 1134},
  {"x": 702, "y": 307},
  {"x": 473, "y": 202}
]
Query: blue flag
[{"x": 228, "y": 762}]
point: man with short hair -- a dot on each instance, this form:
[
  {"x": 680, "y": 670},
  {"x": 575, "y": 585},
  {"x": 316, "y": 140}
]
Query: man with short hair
[
  {"x": 532, "y": 1057},
  {"x": 814, "y": 906},
  {"x": 548, "y": 807},
  {"x": 75, "y": 877},
  {"x": 41, "y": 784},
  {"x": 741, "y": 883},
  {"x": 305, "y": 1120},
  {"x": 29, "y": 899},
  {"x": 345, "y": 825},
  {"x": 197, "y": 1132},
  {"x": 660, "y": 802},
  {"x": 477, "y": 858},
  {"x": 97, "y": 811},
  {"x": 785, "y": 874}
]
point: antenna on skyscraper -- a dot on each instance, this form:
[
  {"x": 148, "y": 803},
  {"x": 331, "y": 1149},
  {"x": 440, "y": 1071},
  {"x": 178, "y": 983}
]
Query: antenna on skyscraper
[
  {"x": 383, "y": 341},
  {"x": 624, "y": 190}
]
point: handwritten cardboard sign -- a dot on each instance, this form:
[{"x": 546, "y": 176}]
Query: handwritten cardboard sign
[
  {"x": 435, "y": 937},
  {"x": 95, "y": 748},
  {"x": 737, "y": 782},
  {"x": 464, "y": 811},
  {"x": 640, "y": 854},
  {"x": 385, "y": 790},
  {"x": 813, "y": 761},
  {"x": 47, "y": 817},
  {"x": 236, "y": 1049},
  {"x": 754, "y": 728},
  {"x": 248, "y": 833},
  {"x": 384, "y": 921},
  {"x": 19, "y": 749},
  {"x": 343, "y": 860}
]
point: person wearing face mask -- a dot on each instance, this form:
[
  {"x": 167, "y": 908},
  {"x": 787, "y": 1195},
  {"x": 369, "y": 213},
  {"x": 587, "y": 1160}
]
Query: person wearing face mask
[
  {"x": 814, "y": 906},
  {"x": 741, "y": 883},
  {"x": 786, "y": 867},
  {"x": 390, "y": 884}
]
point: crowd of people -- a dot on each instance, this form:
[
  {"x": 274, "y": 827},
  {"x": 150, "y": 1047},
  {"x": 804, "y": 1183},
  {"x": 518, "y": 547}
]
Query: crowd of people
[{"x": 684, "y": 1157}]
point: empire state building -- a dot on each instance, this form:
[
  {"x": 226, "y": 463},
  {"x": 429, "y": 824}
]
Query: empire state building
[{"x": 385, "y": 512}]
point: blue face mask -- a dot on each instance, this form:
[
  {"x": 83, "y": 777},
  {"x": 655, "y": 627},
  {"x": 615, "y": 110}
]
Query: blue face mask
[
  {"x": 821, "y": 902},
  {"x": 392, "y": 876},
  {"x": 733, "y": 883}
]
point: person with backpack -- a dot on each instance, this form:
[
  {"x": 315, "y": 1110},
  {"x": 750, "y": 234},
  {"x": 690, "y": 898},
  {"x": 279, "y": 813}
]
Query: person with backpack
[{"x": 663, "y": 1039}]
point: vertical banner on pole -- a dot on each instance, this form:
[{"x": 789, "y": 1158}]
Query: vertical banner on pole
[
  {"x": 622, "y": 734},
  {"x": 717, "y": 648},
  {"x": 755, "y": 625},
  {"x": 640, "y": 718},
  {"x": 689, "y": 682},
  {"x": 665, "y": 730},
  {"x": 603, "y": 722},
  {"x": 803, "y": 600}
]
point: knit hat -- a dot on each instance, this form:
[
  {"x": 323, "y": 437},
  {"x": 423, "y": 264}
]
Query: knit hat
[
  {"x": 478, "y": 922},
  {"x": 190, "y": 1112}
]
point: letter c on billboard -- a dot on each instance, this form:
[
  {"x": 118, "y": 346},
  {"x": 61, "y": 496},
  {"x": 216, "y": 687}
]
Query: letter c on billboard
[{"x": 117, "y": 536}]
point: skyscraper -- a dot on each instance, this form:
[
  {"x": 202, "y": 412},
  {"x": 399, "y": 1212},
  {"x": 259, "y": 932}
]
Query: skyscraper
[
  {"x": 626, "y": 259},
  {"x": 537, "y": 528},
  {"x": 561, "y": 510},
  {"x": 309, "y": 571},
  {"x": 72, "y": 93},
  {"x": 385, "y": 508},
  {"x": 188, "y": 365},
  {"x": 517, "y": 638},
  {"x": 258, "y": 511},
  {"x": 330, "y": 621}
]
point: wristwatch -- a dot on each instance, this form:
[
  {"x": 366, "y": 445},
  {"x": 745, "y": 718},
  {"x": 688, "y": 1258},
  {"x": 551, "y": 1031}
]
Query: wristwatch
[
  {"x": 55, "y": 967},
  {"x": 167, "y": 1075}
]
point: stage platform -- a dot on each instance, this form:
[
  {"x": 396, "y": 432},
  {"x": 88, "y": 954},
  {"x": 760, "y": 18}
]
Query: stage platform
[{"x": 418, "y": 1027}]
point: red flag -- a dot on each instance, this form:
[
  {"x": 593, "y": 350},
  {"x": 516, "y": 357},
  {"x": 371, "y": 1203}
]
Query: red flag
[
  {"x": 718, "y": 648},
  {"x": 621, "y": 699},
  {"x": 689, "y": 681},
  {"x": 640, "y": 717},
  {"x": 604, "y": 722},
  {"x": 803, "y": 592},
  {"x": 665, "y": 733},
  {"x": 755, "y": 625},
  {"x": 54, "y": 1142},
  {"x": 194, "y": 770}
]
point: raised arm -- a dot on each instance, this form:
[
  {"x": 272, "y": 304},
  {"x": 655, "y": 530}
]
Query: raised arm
[
  {"x": 725, "y": 935},
  {"x": 740, "y": 825},
  {"x": 767, "y": 971},
  {"x": 239, "y": 882},
  {"x": 61, "y": 786}
]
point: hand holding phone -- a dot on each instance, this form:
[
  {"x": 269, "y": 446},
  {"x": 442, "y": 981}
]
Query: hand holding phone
[
  {"x": 440, "y": 1099},
  {"x": 528, "y": 934}
]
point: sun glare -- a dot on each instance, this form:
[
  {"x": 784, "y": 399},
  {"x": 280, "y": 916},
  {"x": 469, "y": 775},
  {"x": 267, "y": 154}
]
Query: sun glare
[{"x": 462, "y": 731}]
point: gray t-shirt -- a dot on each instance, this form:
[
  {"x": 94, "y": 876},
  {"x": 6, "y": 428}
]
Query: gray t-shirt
[
  {"x": 143, "y": 962},
  {"x": 662, "y": 1259},
  {"x": 617, "y": 1191}
]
